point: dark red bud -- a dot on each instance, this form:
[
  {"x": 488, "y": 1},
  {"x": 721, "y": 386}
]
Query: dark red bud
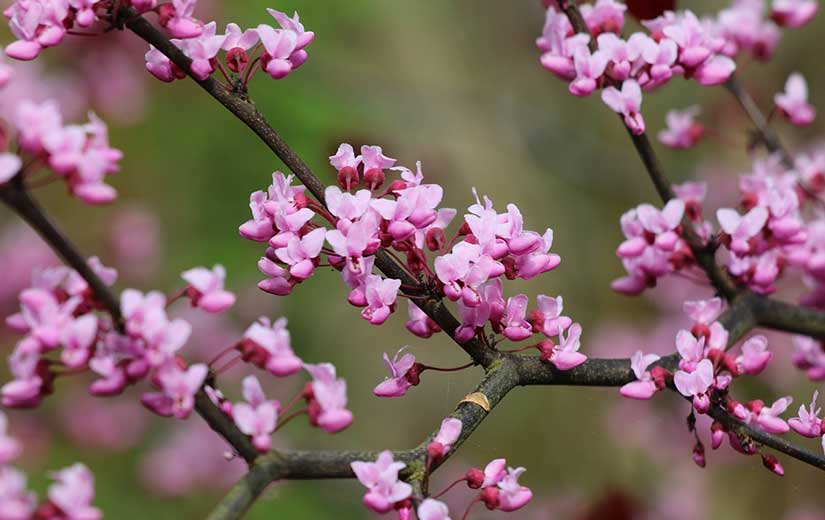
[
  {"x": 348, "y": 178},
  {"x": 699, "y": 455},
  {"x": 700, "y": 330},
  {"x": 435, "y": 450},
  {"x": 435, "y": 239},
  {"x": 475, "y": 477},
  {"x": 236, "y": 59},
  {"x": 489, "y": 496},
  {"x": 165, "y": 13},
  {"x": 413, "y": 375},
  {"x": 374, "y": 178},
  {"x": 301, "y": 200}
]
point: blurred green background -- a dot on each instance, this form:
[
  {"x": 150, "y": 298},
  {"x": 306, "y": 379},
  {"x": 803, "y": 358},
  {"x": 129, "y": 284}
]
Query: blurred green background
[{"x": 458, "y": 86}]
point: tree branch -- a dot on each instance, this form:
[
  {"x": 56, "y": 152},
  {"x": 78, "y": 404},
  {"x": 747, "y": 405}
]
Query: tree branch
[{"x": 18, "y": 199}]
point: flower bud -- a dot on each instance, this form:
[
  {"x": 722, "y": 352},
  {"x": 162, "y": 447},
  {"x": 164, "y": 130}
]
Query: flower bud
[
  {"x": 773, "y": 464},
  {"x": 489, "y": 496},
  {"x": 165, "y": 13},
  {"x": 236, "y": 59},
  {"x": 374, "y": 178},
  {"x": 348, "y": 178},
  {"x": 435, "y": 239},
  {"x": 717, "y": 434},
  {"x": 699, "y": 455},
  {"x": 475, "y": 477},
  {"x": 435, "y": 450}
]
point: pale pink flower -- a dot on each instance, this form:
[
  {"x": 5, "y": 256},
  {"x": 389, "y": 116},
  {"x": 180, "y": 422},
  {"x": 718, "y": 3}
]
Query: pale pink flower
[
  {"x": 547, "y": 319},
  {"x": 703, "y": 312},
  {"x": 683, "y": 131},
  {"x": 180, "y": 23},
  {"x": 516, "y": 327},
  {"x": 807, "y": 422},
  {"x": 627, "y": 102},
  {"x": 447, "y": 435},
  {"x": 793, "y": 102},
  {"x": 380, "y": 478},
  {"x": 511, "y": 494},
  {"x": 160, "y": 66},
  {"x": 644, "y": 387},
  {"x": 206, "y": 290},
  {"x": 73, "y": 492},
  {"x": 768, "y": 417},
  {"x": 258, "y": 416},
  {"x": 589, "y": 68},
  {"x": 695, "y": 384},
  {"x": 381, "y": 294},
  {"x": 36, "y": 24},
  {"x": 755, "y": 356},
  {"x": 10, "y": 448},
  {"x": 793, "y": 13},
  {"x": 279, "y": 46},
  {"x": 34, "y": 121},
  {"x": 419, "y": 323},
  {"x": 566, "y": 355},
  {"x": 691, "y": 349},
  {"x": 77, "y": 340},
  {"x": 742, "y": 228},
  {"x": 16, "y": 502},
  {"x": 179, "y": 388},
  {"x": 402, "y": 376},
  {"x": 274, "y": 340},
  {"x": 431, "y": 509},
  {"x": 202, "y": 49},
  {"x": 9, "y": 166},
  {"x": 327, "y": 404}
]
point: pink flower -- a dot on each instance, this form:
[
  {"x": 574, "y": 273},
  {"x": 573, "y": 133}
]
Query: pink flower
[
  {"x": 768, "y": 417},
  {"x": 16, "y": 502},
  {"x": 419, "y": 323},
  {"x": 793, "y": 103},
  {"x": 807, "y": 422},
  {"x": 691, "y": 349},
  {"x": 269, "y": 344},
  {"x": 566, "y": 355},
  {"x": 447, "y": 435},
  {"x": 77, "y": 339},
  {"x": 180, "y": 22},
  {"x": 695, "y": 384},
  {"x": 293, "y": 24},
  {"x": 202, "y": 49},
  {"x": 742, "y": 228},
  {"x": 381, "y": 294},
  {"x": 85, "y": 14},
  {"x": 34, "y": 121},
  {"x": 237, "y": 39},
  {"x": 328, "y": 400},
  {"x": 380, "y": 478},
  {"x": 347, "y": 206},
  {"x": 179, "y": 388},
  {"x": 703, "y": 312},
  {"x": 626, "y": 102},
  {"x": 516, "y": 328},
  {"x": 36, "y": 24},
  {"x": 506, "y": 494},
  {"x": 346, "y": 163},
  {"x": 793, "y": 13},
  {"x": 621, "y": 54},
  {"x": 661, "y": 56},
  {"x": 160, "y": 66},
  {"x": 9, "y": 166},
  {"x": 604, "y": 16},
  {"x": 374, "y": 162},
  {"x": 715, "y": 71},
  {"x": 300, "y": 253},
  {"x": 547, "y": 319},
  {"x": 755, "y": 356},
  {"x": 402, "y": 375},
  {"x": 683, "y": 131},
  {"x": 205, "y": 289},
  {"x": 431, "y": 509},
  {"x": 279, "y": 46},
  {"x": 73, "y": 492},
  {"x": 359, "y": 238},
  {"x": 589, "y": 68},
  {"x": 644, "y": 387},
  {"x": 258, "y": 416},
  {"x": 10, "y": 448}
]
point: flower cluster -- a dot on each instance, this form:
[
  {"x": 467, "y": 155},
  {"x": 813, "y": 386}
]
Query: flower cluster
[
  {"x": 675, "y": 44},
  {"x": 80, "y": 154},
  {"x": 498, "y": 484},
  {"x": 277, "y": 52},
  {"x": 70, "y": 496},
  {"x": 404, "y": 217}
]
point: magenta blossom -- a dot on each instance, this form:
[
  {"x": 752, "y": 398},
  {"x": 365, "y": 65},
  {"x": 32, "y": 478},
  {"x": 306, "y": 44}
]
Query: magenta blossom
[
  {"x": 36, "y": 24},
  {"x": 547, "y": 319},
  {"x": 768, "y": 417},
  {"x": 627, "y": 102},
  {"x": 807, "y": 421},
  {"x": 381, "y": 294},
  {"x": 516, "y": 327},
  {"x": 380, "y": 478},
  {"x": 279, "y": 46},
  {"x": 793, "y": 102},
  {"x": 202, "y": 50},
  {"x": 419, "y": 323},
  {"x": 205, "y": 288},
  {"x": 179, "y": 388},
  {"x": 644, "y": 387},
  {"x": 742, "y": 228},
  {"x": 179, "y": 20},
  {"x": 503, "y": 491},
  {"x": 10, "y": 448},
  {"x": 589, "y": 68},
  {"x": 327, "y": 399},
  {"x": 755, "y": 356},
  {"x": 403, "y": 375},
  {"x": 16, "y": 502},
  {"x": 258, "y": 416}
]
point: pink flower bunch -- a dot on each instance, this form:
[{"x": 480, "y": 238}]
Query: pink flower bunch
[
  {"x": 653, "y": 247},
  {"x": 500, "y": 488},
  {"x": 38, "y": 24},
  {"x": 384, "y": 489},
  {"x": 281, "y": 50},
  {"x": 683, "y": 131},
  {"x": 257, "y": 416},
  {"x": 404, "y": 217},
  {"x": 809, "y": 355},
  {"x": 69, "y": 497},
  {"x": 56, "y": 311},
  {"x": 80, "y": 154},
  {"x": 205, "y": 289}
]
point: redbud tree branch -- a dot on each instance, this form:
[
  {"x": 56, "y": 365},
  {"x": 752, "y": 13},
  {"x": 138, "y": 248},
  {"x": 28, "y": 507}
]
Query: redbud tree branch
[{"x": 15, "y": 195}]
